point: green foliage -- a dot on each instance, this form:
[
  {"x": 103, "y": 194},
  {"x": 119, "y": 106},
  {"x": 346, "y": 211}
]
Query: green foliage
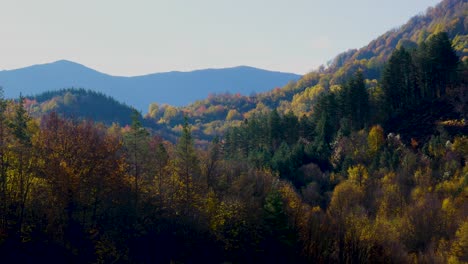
[
  {"x": 80, "y": 103},
  {"x": 302, "y": 174}
]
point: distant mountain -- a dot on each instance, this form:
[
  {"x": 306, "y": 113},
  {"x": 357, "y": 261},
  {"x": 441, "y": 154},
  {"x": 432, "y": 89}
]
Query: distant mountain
[{"x": 174, "y": 88}]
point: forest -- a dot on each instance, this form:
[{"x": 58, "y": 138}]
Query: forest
[
  {"x": 218, "y": 112},
  {"x": 375, "y": 173}
]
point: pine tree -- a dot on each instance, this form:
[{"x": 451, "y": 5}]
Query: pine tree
[
  {"x": 3, "y": 161},
  {"x": 22, "y": 159},
  {"x": 443, "y": 60},
  {"x": 137, "y": 144},
  {"x": 354, "y": 101},
  {"x": 187, "y": 165}
]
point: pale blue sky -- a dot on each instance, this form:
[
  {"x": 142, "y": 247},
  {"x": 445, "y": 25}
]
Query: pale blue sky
[{"x": 144, "y": 36}]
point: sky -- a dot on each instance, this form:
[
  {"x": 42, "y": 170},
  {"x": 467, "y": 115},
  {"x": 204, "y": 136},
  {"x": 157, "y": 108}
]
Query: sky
[{"x": 129, "y": 38}]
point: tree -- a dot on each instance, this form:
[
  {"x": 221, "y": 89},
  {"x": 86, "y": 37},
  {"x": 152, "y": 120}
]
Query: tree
[
  {"x": 358, "y": 174},
  {"x": 274, "y": 123},
  {"x": 459, "y": 248},
  {"x": 399, "y": 81},
  {"x": 153, "y": 110},
  {"x": 81, "y": 173},
  {"x": 160, "y": 160},
  {"x": 136, "y": 142},
  {"x": 360, "y": 101},
  {"x": 187, "y": 166},
  {"x": 375, "y": 139},
  {"x": 233, "y": 114},
  {"x": 21, "y": 160},
  {"x": 443, "y": 62},
  {"x": 326, "y": 117},
  {"x": 213, "y": 159},
  {"x": 3, "y": 161},
  {"x": 344, "y": 206}
]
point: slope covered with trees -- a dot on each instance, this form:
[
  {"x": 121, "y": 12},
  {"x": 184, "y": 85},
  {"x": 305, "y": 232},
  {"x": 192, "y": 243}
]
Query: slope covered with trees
[
  {"x": 214, "y": 114},
  {"x": 373, "y": 172},
  {"x": 336, "y": 186},
  {"x": 80, "y": 104}
]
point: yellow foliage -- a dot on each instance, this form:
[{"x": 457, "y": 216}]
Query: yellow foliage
[
  {"x": 392, "y": 201},
  {"x": 346, "y": 196},
  {"x": 302, "y": 102},
  {"x": 423, "y": 178},
  {"x": 375, "y": 139},
  {"x": 460, "y": 246},
  {"x": 358, "y": 174},
  {"x": 293, "y": 200},
  {"x": 232, "y": 114},
  {"x": 451, "y": 187},
  {"x": 316, "y": 209},
  {"x": 335, "y": 88},
  {"x": 460, "y": 144}
]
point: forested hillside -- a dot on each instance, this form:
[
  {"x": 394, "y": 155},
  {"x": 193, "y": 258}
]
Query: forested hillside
[
  {"x": 360, "y": 171},
  {"x": 214, "y": 114},
  {"x": 336, "y": 187},
  {"x": 80, "y": 104}
]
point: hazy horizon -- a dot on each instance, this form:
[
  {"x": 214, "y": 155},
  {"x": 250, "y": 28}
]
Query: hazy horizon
[
  {"x": 136, "y": 38},
  {"x": 139, "y": 75}
]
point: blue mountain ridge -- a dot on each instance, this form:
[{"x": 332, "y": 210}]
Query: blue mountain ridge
[{"x": 174, "y": 88}]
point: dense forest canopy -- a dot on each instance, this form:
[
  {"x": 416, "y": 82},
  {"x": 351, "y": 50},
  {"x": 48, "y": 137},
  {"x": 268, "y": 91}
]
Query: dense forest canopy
[
  {"x": 345, "y": 184},
  {"x": 354, "y": 163}
]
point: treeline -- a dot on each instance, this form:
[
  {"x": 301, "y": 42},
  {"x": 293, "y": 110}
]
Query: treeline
[
  {"x": 342, "y": 148},
  {"x": 74, "y": 191},
  {"x": 214, "y": 115},
  {"x": 80, "y": 192},
  {"x": 429, "y": 76},
  {"x": 333, "y": 187},
  {"x": 80, "y": 103}
]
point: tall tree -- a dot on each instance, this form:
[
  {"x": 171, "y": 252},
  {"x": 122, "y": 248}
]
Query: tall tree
[
  {"x": 357, "y": 100},
  {"x": 137, "y": 143},
  {"x": 443, "y": 62},
  {"x": 3, "y": 161},
  {"x": 160, "y": 161},
  {"x": 22, "y": 161},
  {"x": 187, "y": 166},
  {"x": 212, "y": 161}
]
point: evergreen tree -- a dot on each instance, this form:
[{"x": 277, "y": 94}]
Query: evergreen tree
[
  {"x": 187, "y": 165},
  {"x": 443, "y": 62},
  {"x": 274, "y": 123},
  {"x": 137, "y": 143},
  {"x": 21, "y": 160},
  {"x": 359, "y": 101},
  {"x": 3, "y": 161}
]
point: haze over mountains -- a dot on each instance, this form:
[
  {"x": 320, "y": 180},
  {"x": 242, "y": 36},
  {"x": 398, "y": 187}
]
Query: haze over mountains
[
  {"x": 212, "y": 115},
  {"x": 174, "y": 88}
]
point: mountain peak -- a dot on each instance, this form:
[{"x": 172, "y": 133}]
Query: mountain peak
[
  {"x": 65, "y": 62},
  {"x": 175, "y": 88}
]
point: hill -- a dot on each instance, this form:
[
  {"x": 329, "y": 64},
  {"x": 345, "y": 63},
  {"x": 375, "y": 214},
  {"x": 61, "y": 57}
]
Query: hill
[
  {"x": 448, "y": 16},
  {"x": 174, "y": 88},
  {"x": 80, "y": 104},
  {"x": 214, "y": 114},
  {"x": 219, "y": 111},
  {"x": 363, "y": 177}
]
